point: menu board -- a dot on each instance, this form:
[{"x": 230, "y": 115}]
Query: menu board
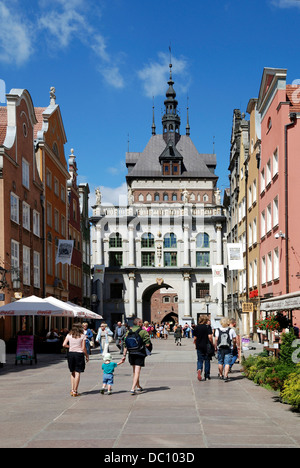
[{"x": 25, "y": 348}]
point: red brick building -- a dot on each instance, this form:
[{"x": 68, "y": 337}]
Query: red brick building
[{"x": 21, "y": 190}]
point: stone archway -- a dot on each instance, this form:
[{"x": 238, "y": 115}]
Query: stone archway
[{"x": 158, "y": 302}]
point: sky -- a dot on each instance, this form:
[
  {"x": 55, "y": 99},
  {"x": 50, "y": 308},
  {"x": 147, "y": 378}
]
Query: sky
[{"x": 108, "y": 59}]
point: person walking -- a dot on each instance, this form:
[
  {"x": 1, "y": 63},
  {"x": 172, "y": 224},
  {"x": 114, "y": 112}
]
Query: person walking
[
  {"x": 103, "y": 338},
  {"x": 178, "y": 335},
  {"x": 89, "y": 337},
  {"x": 225, "y": 342},
  {"x": 108, "y": 368},
  {"x": 235, "y": 351},
  {"x": 77, "y": 355},
  {"x": 120, "y": 332},
  {"x": 203, "y": 337},
  {"x": 136, "y": 342}
]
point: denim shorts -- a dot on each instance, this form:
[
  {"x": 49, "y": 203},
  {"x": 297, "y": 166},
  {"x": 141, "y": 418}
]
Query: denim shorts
[
  {"x": 108, "y": 379},
  {"x": 225, "y": 357}
]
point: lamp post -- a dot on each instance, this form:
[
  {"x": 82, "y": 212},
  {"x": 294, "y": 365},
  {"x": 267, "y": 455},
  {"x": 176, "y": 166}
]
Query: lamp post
[{"x": 207, "y": 302}]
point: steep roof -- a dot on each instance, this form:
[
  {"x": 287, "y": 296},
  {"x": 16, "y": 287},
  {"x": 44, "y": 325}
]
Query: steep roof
[{"x": 147, "y": 164}]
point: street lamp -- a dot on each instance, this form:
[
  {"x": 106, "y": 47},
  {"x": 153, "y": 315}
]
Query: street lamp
[
  {"x": 207, "y": 301},
  {"x": 3, "y": 282}
]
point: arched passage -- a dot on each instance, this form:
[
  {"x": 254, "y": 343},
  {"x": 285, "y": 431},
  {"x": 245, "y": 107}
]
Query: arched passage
[{"x": 160, "y": 303}]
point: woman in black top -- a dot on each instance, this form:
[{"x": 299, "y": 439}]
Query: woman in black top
[{"x": 202, "y": 337}]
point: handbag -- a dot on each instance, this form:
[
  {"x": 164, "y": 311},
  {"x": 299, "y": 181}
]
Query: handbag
[{"x": 210, "y": 349}]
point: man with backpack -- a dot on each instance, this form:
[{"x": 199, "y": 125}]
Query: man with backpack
[
  {"x": 137, "y": 344},
  {"x": 225, "y": 342}
]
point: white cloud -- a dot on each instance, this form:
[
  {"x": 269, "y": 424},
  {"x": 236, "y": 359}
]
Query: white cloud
[
  {"x": 16, "y": 37},
  {"x": 286, "y": 3},
  {"x": 155, "y": 75},
  {"x": 67, "y": 22}
]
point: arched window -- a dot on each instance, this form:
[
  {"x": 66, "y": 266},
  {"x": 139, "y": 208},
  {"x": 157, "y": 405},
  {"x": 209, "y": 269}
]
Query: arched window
[
  {"x": 166, "y": 197},
  {"x": 202, "y": 241},
  {"x": 115, "y": 240},
  {"x": 174, "y": 197},
  {"x": 156, "y": 197},
  {"x": 170, "y": 241},
  {"x": 147, "y": 240}
]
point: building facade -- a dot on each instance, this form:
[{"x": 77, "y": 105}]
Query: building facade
[
  {"x": 21, "y": 208},
  {"x": 84, "y": 192},
  {"x": 170, "y": 234},
  {"x": 50, "y": 139}
]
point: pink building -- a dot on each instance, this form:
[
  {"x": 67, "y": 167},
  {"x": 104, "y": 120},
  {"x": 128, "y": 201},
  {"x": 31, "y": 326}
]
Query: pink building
[{"x": 279, "y": 107}]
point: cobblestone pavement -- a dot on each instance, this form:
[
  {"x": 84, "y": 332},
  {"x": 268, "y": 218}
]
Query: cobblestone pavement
[{"x": 174, "y": 411}]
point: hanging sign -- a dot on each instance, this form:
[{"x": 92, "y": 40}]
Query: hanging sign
[
  {"x": 64, "y": 251},
  {"x": 218, "y": 274},
  {"x": 235, "y": 256}
]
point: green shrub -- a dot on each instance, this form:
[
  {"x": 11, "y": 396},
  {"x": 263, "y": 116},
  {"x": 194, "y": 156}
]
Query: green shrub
[{"x": 291, "y": 389}]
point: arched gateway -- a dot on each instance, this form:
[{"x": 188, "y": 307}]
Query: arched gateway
[{"x": 160, "y": 303}]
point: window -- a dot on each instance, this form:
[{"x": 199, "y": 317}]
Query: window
[
  {"x": 63, "y": 226},
  {"x": 74, "y": 210},
  {"x": 263, "y": 270},
  {"x": 56, "y": 220},
  {"x": 269, "y": 218},
  {"x": 14, "y": 208},
  {"x": 170, "y": 241},
  {"x": 147, "y": 241},
  {"x": 25, "y": 173},
  {"x": 166, "y": 299},
  {"x": 269, "y": 173},
  {"x": 166, "y": 169},
  {"x": 56, "y": 186},
  {"x": 254, "y": 192},
  {"x": 49, "y": 258},
  {"x": 202, "y": 241},
  {"x": 254, "y": 232},
  {"x": 26, "y": 216},
  {"x": 275, "y": 212},
  {"x": 170, "y": 259},
  {"x": 115, "y": 241},
  {"x": 148, "y": 259},
  {"x": 175, "y": 168},
  {"x": 202, "y": 290},
  {"x": 26, "y": 265},
  {"x": 141, "y": 197},
  {"x": 156, "y": 197},
  {"x": 166, "y": 197},
  {"x": 174, "y": 197},
  {"x": 276, "y": 263},
  {"x": 269, "y": 267},
  {"x": 36, "y": 270},
  {"x": 49, "y": 214},
  {"x": 262, "y": 181},
  {"x": 48, "y": 178},
  {"x": 202, "y": 259},
  {"x": 15, "y": 259},
  {"x": 115, "y": 259},
  {"x": 63, "y": 193},
  {"x": 263, "y": 224},
  {"x": 275, "y": 163},
  {"x": 116, "y": 291},
  {"x": 36, "y": 223}
]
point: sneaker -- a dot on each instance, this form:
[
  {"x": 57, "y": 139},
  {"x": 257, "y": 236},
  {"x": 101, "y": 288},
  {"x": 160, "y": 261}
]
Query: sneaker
[
  {"x": 199, "y": 375},
  {"x": 220, "y": 377},
  {"x": 139, "y": 390},
  {"x": 132, "y": 392},
  {"x": 226, "y": 379},
  {"x": 109, "y": 392},
  {"x": 102, "y": 391}
]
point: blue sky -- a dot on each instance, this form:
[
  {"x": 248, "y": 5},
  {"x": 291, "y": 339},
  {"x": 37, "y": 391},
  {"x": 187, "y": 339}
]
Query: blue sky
[{"x": 107, "y": 58}]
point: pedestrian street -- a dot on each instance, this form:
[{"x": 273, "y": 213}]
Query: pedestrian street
[{"x": 174, "y": 411}]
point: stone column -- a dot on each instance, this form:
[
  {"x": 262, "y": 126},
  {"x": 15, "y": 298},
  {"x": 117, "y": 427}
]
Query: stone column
[
  {"x": 131, "y": 260},
  {"x": 99, "y": 256},
  {"x": 131, "y": 294},
  {"x": 187, "y": 295},
  {"x": 186, "y": 256}
]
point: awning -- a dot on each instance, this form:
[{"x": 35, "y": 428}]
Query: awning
[{"x": 285, "y": 302}]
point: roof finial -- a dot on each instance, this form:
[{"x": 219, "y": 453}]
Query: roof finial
[
  {"x": 170, "y": 49},
  {"x": 153, "y": 123}
]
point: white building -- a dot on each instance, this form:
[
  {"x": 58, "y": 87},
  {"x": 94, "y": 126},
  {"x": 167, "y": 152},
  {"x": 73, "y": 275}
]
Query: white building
[{"x": 170, "y": 234}]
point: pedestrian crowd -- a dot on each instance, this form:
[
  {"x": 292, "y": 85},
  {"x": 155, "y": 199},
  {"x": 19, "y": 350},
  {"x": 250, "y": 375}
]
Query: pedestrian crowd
[{"x": 136, "y": 342}]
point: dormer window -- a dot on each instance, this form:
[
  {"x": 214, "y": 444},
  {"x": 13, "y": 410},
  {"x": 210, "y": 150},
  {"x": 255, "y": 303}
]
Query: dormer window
[{"x": 166, "y": 168}]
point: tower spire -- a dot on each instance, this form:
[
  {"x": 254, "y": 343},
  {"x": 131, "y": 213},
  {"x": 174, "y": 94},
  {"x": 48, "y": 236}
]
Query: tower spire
[
  {"x": 188, "y": 128},
  {"x": 171, "y": 119},
  {"x": 153, "y": 123}
]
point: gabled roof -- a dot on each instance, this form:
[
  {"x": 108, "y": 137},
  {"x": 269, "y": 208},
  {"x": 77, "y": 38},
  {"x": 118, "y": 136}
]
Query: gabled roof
[{"x": 147, "y": 164}]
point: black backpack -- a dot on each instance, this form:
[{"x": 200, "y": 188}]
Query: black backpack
[
  {"x": 134, "y": 342},
  {"x": 224, "y": 340}
]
